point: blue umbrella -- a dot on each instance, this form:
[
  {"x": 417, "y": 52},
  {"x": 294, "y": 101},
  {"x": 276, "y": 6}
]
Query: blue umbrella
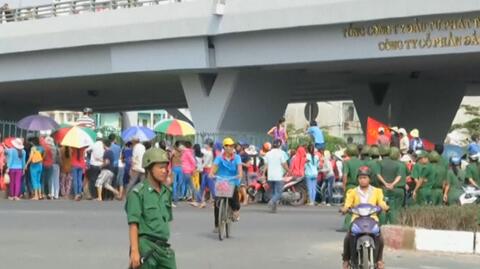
[
  {"x": 142, "y": 133},
  {"x": 450, "y": 151},
  {"x": 37, "y": 123}
]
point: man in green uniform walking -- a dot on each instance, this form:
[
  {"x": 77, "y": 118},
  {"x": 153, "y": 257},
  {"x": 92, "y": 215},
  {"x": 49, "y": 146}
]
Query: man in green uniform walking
[
  {"x": 440, "y": 179},
  {"x": 424, "y": 177},
  {"x": 350, "y": 170},
  {"x": 391, "y": 180},
  {"x": 149, "y": 211}
]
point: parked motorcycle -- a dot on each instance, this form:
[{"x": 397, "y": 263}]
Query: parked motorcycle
[
  {"x": 294, "y": 191},
  {"x": 364, "y": 230},
  {"x": 471, "y": 195}
]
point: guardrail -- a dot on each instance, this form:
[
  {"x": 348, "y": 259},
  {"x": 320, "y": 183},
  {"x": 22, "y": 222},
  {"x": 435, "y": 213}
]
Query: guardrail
[{"x": 57, "y": 9}]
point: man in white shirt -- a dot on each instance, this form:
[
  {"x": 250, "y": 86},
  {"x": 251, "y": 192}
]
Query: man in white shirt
[
  {"x": 276, "y": 163},
  {"x": 137, "y": 173},
  {"x": 96, "y": 162}
]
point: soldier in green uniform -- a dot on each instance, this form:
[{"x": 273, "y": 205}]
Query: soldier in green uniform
[
  {"x": 149, "y": 211},
  {"x": 424, "y": 176},
  {"x": 365, "y": 153},
  {"x": 390, "y": 178},
  {"x": 350, "y": 170},
  {"x": 472, "y": 172},
  {"x": 439, "y": 180},
  {"x": 456, "y": 178},
  {"x": 374, "y": 165}
]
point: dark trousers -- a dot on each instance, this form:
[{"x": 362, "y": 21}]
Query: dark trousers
[
  {"x": 234, "y": 203},
  {"x": 92, "y": 174},
  {"x": 349, "y": 246}
]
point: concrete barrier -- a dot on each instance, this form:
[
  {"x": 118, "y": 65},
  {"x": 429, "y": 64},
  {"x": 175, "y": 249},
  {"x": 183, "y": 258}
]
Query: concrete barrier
[{"x": 400, "y": 237}]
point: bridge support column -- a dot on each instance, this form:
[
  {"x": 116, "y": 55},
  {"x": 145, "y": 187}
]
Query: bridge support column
[
  {"x": 236, "y": 101},
  {"x": 429, "y": 106}
]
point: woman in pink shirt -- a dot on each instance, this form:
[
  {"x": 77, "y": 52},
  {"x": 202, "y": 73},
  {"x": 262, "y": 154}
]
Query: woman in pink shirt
[{"x": 188, "y": 168}]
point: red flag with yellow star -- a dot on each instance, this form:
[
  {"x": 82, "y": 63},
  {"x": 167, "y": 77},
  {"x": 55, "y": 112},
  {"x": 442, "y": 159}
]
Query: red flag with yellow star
[{"x": 372, "y": 130}]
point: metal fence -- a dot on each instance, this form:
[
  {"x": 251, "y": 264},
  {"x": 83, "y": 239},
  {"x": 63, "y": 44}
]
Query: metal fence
[
  {"x": 10, "y": 129},
  {"x": 74, "y": 7}
]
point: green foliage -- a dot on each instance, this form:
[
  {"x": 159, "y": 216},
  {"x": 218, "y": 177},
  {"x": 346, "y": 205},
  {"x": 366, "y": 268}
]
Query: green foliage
[
  {"x": 458, "y": 218},
  {"x": 299, "y": 138},
  {"x": 473, "y": 125},
  {"x": 471, "y": 110}
]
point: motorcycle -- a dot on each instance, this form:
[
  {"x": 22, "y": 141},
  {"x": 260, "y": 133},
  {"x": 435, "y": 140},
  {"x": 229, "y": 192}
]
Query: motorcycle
[
  {"x": 364, "y": 231},
  {"x": 294, "y": 191},
  {"x": 471, "y": 195}
]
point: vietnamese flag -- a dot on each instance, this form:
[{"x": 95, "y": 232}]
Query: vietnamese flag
[{"x": 372, "y": 130}]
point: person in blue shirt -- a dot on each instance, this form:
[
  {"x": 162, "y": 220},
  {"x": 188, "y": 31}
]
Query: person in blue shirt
[
  {"x": 228, "y": 166},
  {"x": 317, "y": 135}
]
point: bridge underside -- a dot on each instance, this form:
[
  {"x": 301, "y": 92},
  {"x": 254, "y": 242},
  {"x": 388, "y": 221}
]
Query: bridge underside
[{"x": 247, "y": 102}]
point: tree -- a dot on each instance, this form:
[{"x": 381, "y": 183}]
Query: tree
[{"x": 473, "y": 125}]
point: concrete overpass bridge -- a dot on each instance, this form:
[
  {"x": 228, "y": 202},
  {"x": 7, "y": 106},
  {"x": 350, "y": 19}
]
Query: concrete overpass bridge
[{"x": 406, "y": 62}]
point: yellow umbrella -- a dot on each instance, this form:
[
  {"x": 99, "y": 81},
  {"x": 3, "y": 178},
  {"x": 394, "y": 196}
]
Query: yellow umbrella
[{"x": 77, "y": 138}]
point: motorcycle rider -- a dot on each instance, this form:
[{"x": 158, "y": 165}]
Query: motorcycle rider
[
  {"x": 473, "y": 171},
  {"x": 350, "y": 169},
  {"x": 363, "y": 194},
  {"x": 456, "y": 178}
]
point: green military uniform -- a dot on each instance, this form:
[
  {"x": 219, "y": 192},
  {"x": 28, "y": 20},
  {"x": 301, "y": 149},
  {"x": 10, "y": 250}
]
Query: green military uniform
[
  {"x": 455, "y": 182},
  {"x": 389, "y": 170},
  {"x": 425, "y": 172},
  {"x": 374, "y": 165},
  {"x": 152, "y": 211},
  {"x": 473, "y": 171},
  {"x": 440, "y": 178},
  {"x": 350, "y": 169}
]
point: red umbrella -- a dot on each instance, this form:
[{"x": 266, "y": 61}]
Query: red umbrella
[{"x": 60, "y": 134}]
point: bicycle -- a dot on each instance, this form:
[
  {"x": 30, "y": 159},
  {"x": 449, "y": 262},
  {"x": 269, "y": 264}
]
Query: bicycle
[{"x": 224, "y": 190}]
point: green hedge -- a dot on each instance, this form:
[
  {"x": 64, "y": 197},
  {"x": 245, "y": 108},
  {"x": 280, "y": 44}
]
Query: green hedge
[{"x": 458, "y": 218}]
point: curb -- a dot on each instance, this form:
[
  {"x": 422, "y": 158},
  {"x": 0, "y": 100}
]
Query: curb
[{"x": 400, "y": 237}]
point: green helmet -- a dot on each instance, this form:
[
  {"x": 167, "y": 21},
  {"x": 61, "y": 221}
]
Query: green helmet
[
  {"x": 366, "y": 150},
  {"x": 154, "y": 155},
  {"x": 374, "y": 151},
  {"x": 384, "y": 150},
  {"x": 421, "y": 154},
  {"x": 434, "y": 157},
  {"x": 352, "y": 150},
  {"x": 395, "y": 153}
]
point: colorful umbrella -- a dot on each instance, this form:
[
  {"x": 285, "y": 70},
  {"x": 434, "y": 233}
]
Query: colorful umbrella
[
  {"x": 37, "y": 123},
  {"x": 174, "y": 127},
  {"x": 77, "y": 137},
  {"x": 59, "y": 134},
  {"x": 142, "y": 133}
]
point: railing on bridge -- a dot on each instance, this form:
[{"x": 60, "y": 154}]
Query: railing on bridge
[{"x": 57, "y": 9}]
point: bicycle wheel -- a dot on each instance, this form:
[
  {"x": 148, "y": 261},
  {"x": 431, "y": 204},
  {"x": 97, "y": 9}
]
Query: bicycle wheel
[
  {"x": 228, "y": 221},
  {"x": 221, "y": 219}
]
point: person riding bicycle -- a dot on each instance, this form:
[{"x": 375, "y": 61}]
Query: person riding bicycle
[
  {"x": 363, "y": 194},
  {"x": 228, "y": 166},
  {"x": 149, "y": 211}
]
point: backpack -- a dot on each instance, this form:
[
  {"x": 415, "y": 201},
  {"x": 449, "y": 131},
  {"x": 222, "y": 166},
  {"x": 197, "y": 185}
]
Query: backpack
[{"x": 36, "y": 155}]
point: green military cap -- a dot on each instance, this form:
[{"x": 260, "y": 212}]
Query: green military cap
[
  {"x": 384, "y": 150},
  {"x": 421, "y": 154},
  {"x": 366, "y": 150},
  {"x": 352, "y": 150},
  {"x": 374, "y": 151},
  {"x": 154, "y": 155},
  {"x": 434, "y": 157},
  {"x": 395, "y": 153}
]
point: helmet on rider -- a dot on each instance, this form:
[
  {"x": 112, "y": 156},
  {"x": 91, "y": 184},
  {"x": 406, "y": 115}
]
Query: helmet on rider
[
  {"x": 228, "y": 142},
  {"x": 363, "y": 171},
  {"x": 455, "y": 160}
]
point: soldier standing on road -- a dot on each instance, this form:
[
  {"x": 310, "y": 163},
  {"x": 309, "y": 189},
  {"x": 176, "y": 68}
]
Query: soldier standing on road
[
  {"x": 393, "y": 184},
  {"x": 149, "y": 211}
]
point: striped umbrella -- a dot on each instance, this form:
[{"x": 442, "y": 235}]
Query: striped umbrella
[
  {"x": 174, "y": 127},
  {"x": 77, "y": 137}
]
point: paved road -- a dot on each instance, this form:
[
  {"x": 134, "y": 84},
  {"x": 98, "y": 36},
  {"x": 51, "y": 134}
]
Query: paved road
[{"x": 64, "y": 234}]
